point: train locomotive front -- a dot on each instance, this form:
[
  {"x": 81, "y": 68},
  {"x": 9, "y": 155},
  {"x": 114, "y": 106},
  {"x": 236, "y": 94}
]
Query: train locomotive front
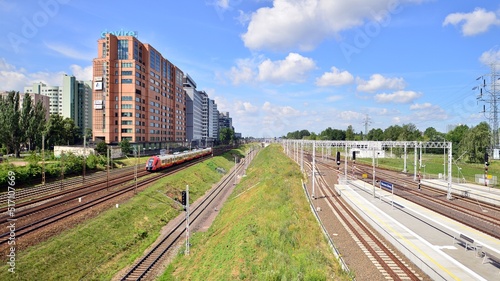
[{"x": 152, "y": 164}]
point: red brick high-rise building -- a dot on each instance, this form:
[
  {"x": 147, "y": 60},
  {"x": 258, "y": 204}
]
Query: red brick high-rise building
[{"x": 137, "y": 94}]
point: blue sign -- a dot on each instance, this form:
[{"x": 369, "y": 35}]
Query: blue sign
[
  {"x": 386, "y": 185},
  {"x": 120, "y": 32}
]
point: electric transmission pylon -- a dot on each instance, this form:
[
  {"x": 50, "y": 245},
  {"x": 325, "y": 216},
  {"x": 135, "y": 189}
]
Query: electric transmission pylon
[
  {"x": 367, "y": 122},
  {"x": 489, "y": 93}
]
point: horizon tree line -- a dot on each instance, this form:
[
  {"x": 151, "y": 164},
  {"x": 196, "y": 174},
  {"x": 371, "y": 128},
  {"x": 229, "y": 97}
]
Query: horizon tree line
[{"x": 471, "y": 142}]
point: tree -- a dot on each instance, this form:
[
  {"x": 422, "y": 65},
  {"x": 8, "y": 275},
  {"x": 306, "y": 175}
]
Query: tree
[
  {"x": 54, "y": 131},
  {"x": 375, "y": 135},
  {"x": 38, "y": 125},
  {"x": 71, "y": 132},
  {"x": 410, "y": 132},
  {"x": 349, "y": 134},
  {"x": 26, "y": 121},
  {"x": 126, "y": 147},
  {"x": 393, "y": 132},
  {"x": 11, "y": 134},
  {"x": 226, "y": 135},
  {"x": 456, "y": 135},
  {"x": 88, "y": 133},
  {"x": 475, "y": 142}
]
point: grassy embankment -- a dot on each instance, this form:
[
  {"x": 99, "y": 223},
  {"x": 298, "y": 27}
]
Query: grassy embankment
[
  {"x": 265, "y": 231},
  {"x": 98, "y": 248}
]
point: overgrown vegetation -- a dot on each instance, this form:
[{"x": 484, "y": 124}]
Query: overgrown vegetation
[
  {"x": 265, "y": 231},
  {"x": 69, "y": 164}
]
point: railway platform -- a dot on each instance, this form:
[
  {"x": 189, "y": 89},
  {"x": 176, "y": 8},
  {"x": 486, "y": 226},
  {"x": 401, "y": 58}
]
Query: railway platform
[
  {"x": 431, "y": 241},
  {"x": 478, "y": 192}
]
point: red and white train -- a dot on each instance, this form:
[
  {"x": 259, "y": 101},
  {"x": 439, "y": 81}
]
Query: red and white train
[{"x": 159, "y": 162}]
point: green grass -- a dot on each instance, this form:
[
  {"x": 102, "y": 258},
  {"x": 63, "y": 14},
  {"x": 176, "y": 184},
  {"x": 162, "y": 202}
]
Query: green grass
[
  {"x": 265, "y": 231},
  {"x": 97, "y": 249},
  {"x": 130, "y": 161}
]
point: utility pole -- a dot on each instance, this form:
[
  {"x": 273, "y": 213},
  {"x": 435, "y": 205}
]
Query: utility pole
[
  {"x": 187, "y": 220},
  {"x": 107, "y": 182},
  {"x": 84, "y": 155},
  {"x": 43, "y": 159},
  {"x": 313, "y": 167}
]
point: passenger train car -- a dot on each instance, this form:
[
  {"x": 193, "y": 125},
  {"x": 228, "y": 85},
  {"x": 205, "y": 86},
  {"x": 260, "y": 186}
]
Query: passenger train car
[{"x": 159, "y": 162}]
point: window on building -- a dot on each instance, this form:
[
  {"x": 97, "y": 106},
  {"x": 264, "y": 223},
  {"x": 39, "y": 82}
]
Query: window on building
[
  {"x": 104, "y": 51},
  {"x": 123, "y": 49}
]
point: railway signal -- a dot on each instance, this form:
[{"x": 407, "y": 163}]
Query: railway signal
[
  {"x": 184, "y": 199},
  {"x": 338, "y": 158}
]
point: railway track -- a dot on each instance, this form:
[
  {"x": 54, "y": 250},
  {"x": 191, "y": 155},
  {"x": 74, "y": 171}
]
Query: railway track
[
  {"x": 382, "y": 256},
  {"x": 24, "y": 227},
  {"x": 27, "y": 196},
  {"x": 145, "y": 265}
]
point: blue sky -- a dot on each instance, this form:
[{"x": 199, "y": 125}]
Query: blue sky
[{"x": 283, "y": 65}]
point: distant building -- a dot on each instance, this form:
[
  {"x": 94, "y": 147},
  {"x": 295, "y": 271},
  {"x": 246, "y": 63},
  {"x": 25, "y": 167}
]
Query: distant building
[
  {"x": 35, "y": 98},
  {"x": 77, "y": 101},
  {"x": 210, "y": 120},
  {"x": 193, "y": 111},
  {"x": 225, "y": 121},
  {"x": 71, "y": 100},
  {"x": 53, "y": 92},
  {"x": 213, "y": 131}
]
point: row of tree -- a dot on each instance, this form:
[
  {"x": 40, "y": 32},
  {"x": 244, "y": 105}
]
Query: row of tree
[
  {"x": 471, "y": 142},
  {"x": 24, "y": 125}
]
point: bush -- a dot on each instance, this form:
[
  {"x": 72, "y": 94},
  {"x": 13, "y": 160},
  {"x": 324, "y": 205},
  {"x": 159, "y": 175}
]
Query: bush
[{"x": 101, "y": 148}]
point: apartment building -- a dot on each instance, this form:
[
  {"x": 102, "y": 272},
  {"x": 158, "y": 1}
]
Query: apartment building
[
  {"x": 71, "y": 100},
  {"x": 138, "y": 94}
]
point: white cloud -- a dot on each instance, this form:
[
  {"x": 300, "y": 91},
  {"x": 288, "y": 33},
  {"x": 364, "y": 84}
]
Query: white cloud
[
  {"x": 280, "y": 111},
  {"x": 379, "y": 82},
  {"x": 305, "y": 23},
  {"x": 428, "y": 111},
  {"x": 334, "y": 98},
  {"x": 242, "y": 108},
  {"x": 82, "y": 73},
  {"x": 474, "y": 23},
  {"x": 351, "y": 115},
  {"x": 398, "y": 97},
  {"x": 243, "y": 72},
  {"x": 334, "y": 78},
  {"x": 243, "y": 18},
  {"x": 223, "y": 4},
  {"x": 490, "y": 56},
  {"x": 13, "y": 78},
  {"x": 69, "y": 52},
  {"x": 293, "y": 68},
  {"x": 420, "y": 106}
]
